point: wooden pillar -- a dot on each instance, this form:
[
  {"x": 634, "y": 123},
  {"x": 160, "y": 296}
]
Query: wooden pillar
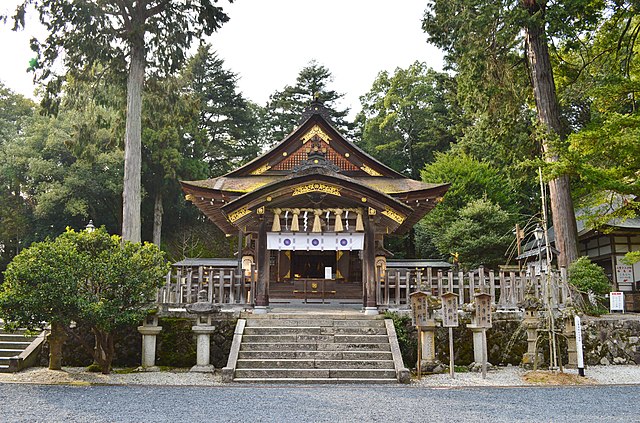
[
  {"x": 262, "y": 258},
  {"x": 369, "y": 267}
]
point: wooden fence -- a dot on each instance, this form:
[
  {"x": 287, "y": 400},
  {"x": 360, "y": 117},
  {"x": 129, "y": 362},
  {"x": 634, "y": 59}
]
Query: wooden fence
[
  {"x": 221, "y": 285},
  {"x": 507, "y": 288},
  {"x": 393, "y": 287}
]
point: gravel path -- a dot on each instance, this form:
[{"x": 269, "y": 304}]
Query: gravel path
[
  {"x": 502, "y": 376},
  {"x": 327, "y": 403}
]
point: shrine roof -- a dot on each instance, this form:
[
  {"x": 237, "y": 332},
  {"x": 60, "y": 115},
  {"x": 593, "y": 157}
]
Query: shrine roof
[
  {"x": 245, "y": 184},
  {"x": 313, "y": 153}
]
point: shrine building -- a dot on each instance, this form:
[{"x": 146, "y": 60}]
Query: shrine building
[{"x": 315, "y": 210}]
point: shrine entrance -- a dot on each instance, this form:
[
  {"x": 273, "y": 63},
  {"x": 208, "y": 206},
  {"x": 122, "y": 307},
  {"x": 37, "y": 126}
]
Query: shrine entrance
[{"x": 327, "y": 276}]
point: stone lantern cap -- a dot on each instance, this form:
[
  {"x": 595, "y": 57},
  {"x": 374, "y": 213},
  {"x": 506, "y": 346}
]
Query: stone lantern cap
[{"x": 203, "y": 306}]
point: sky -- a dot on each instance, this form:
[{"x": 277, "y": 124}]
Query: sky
[{"x": 267, "y": 43}]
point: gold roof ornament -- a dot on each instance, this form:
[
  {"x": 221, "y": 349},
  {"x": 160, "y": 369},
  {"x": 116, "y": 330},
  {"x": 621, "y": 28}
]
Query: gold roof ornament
[
  {"x": 261, "y": 170},
  {"x": 316, "y": 187},
  {"x": 238, "y": 214},
  {"x": 391, "y": 214},
  {"x": 315, "y": 131},
  {"x": 370, "y": 171}
]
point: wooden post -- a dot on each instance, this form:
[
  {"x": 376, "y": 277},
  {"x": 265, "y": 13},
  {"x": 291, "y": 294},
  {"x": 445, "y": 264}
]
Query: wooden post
[
  {"x": 369, "y": 266},
  {"x": 484, "y": 353},
  {"x": 262, "y": 285},
  {"x": 451, "y": 362},
  {"x": 419, "y": 365}
]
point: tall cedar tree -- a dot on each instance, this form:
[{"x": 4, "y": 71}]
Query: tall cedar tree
[
  {"x": 122, "y": 34},
  {"x": 226, "y": 134},
  {"x": 467, "y": 29}
]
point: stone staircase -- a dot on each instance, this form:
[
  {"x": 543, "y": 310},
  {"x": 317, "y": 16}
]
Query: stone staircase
[
  {"x": 12, "y": 345},
  {"x": 315, "y": 348}
]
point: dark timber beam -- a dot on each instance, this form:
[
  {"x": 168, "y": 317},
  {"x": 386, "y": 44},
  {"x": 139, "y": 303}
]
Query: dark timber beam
[{"x": 262, "y": 258}]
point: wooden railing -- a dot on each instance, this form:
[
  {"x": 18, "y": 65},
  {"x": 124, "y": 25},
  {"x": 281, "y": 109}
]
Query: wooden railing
[
  {"x": 507, "y": 288},
  {"x": 221, "y": 286}
]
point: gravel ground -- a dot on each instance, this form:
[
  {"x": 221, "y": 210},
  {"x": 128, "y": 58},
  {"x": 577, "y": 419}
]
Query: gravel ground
[{"x": 502, "y": 376}]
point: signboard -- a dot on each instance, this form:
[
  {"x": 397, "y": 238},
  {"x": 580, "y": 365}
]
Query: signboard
[
  {"x": 450, "y": 310},
  {"x": 483, "y": 310},
  {"x": 323, "y": 241},
  {"x": 616, "y": 301},
  {"x": 328, "y": 273},
  {"x": 579, "y": 352},
  {"x": 624, "y": 273},
  {"x": 419, "y": 308}
]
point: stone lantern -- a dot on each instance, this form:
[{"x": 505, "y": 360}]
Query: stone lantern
[
  {"x": 203, "y": 329},
  {"x": 481, "y": 321},
  {"x": 531, "y": 305},
  {"x": 423, "y": 305},
  {"x": 149, "y": 331}
]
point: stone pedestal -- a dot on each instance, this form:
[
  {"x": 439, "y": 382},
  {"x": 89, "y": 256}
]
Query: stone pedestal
[
  {"x": 478, "y": 343},
  {"x": 532, "y": 356},
  {"x": 149, "y": 331},
  {"x": 203, "y": 352},
  {"x": 428, "y": 362}
]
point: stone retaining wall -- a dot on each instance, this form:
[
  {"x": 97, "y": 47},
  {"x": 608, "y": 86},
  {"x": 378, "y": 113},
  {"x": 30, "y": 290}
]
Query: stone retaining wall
[
  {"x": 176, "y": 345},
  {"x": 610, "y": 339}
]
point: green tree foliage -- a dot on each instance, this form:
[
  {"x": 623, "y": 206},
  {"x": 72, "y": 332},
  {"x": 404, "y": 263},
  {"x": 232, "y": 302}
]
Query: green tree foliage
[
  {"x": 120, "y": 35},
  {"x": 598, "y": 80},
  {"x": 477, "y": 189},
  {"x": 15, "y": 217},
  {"x": 589, "y": 278},
  {"x": 285, "y": 107},
  {"x": 226, "y": 133},
  {"x": 41, "y": 285},
  {"x": 408, "y": 116},
  {"x": 484, "y": 41},
  {"x": 480, "y": 234},
  {"x": 118, "y": 288},
  {"x": 88, "y": 277}
]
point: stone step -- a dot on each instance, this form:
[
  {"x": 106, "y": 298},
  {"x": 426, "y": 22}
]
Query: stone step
[
  {"x": 303, "y": 338},
  {"x": 313, "y": 346},
  {"x": 282, "y": 330},
  {"x": 316, "y": 373},
  {"x": 293, "y": 338},
  {"x": 318, "y": 355},
  {"x": 9, "y": 352},
  {"x": 298, "y": 363},
  {"x": 287, "y": 322},
  {"x": 322, "y": 322},
  {"x": 315, "y": 380},
  {"x": 4, "y": 368},
  {"x": 304, "y": 330},
  {"x": 15, "y": 337},
  {"x": 15, "y": 344},
  {"x": 312, "y": 316}
]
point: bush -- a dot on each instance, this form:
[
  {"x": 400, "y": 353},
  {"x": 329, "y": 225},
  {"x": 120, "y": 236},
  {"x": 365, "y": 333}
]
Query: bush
[
  {"x": 407, "y": 337},
  {"x": 590, "y": 279}
]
